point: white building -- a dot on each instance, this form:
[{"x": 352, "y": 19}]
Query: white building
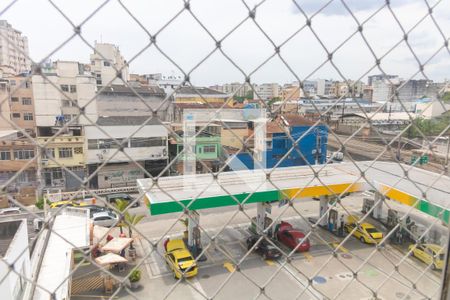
[
  {"x": 310, "y": 87},
  {"x": 267, "y": 91},
  {"x": 146, "y": 149},
  {"x": 105, "y": 61},
  {"x": 324, "y": 87},
  {"x": 383, "y": 90},
  {"x": 13, "y": 50},
  {"x": 235, "y": 88},
  {"x": 14, "y": 252},
  {"x": 77, "y": 85}
]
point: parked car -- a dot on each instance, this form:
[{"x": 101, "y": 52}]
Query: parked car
[
  {"x": 105, "y": 218},
  {"x": 366, "y": 232},
  {"x": 93, "y": 209},
  {"x": 10, "y": 211},
  {"x": 430, "y": 254},
  {"x": 292, "y": 237},
  {"x": 67, "y": 203},
  {"x": 114, "y": 197},
  {"x": 263, "y": 248},
  {"x": 179, "y": 259}
]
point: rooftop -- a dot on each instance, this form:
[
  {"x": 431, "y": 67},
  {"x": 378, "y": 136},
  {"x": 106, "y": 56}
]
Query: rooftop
[
  {"x": 295, "y": 120},
  {"x": 127, "y": 121},
  {"x": 125, "y": 90},
  {"x": 189, "y": 90}
]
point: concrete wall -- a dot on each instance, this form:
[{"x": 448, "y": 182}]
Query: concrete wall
[{"x": 18, "y": 254}]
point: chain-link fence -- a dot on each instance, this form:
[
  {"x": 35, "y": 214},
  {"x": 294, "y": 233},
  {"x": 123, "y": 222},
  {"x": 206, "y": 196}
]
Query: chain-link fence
[{"x": 155, "y": 188}]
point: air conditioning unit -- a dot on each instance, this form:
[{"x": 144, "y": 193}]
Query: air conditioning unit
[{"x": 44, "y": 162}]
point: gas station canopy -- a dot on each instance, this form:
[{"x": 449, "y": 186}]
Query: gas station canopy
[{"x": 427, "y": 191}]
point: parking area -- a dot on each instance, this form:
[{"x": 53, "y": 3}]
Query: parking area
[{"x": 378, "y": 273}]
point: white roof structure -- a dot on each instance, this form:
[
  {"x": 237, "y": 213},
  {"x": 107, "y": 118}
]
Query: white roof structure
[{"x": 70, "y": 229}]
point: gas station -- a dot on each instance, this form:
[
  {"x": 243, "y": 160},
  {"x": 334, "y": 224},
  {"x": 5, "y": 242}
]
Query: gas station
[{"x": 425, "y": 191}]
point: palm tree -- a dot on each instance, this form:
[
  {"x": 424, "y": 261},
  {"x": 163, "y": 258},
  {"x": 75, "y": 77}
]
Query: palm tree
[
  {"x": 121, "y": 206},
  {"x": 132, "y": 220}
]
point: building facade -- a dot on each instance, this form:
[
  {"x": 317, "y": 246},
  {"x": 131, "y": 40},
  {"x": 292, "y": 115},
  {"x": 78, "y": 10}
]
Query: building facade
[
  {"x": 105, "y": 60},
  {"x": 324, "y": 87},
  {"x": 22, "y": 103},
  {"x": 77, "y": 88},
  {"x": 13, "y": 50},
  {"x": 144, "y": 148},
  {"x": 200, "y": 95},
  {"x": 267, "y": 91}
]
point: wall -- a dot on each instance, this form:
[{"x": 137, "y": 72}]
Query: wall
[
  {"x": 73, "y": 142},
  {"x": 198, "y": 99},
  {"x": 137, "y": 153},
  {"x": 19, "y": 254},
  {"x": 233, "y": 137},
  {"x": 118, "y": 175}
]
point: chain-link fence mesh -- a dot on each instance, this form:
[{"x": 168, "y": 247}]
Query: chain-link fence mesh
[{"x": 370, "y": 227}]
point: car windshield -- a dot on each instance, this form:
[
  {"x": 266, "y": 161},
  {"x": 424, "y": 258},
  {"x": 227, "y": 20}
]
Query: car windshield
[
  {"x": 441, "y": 256},
  {"x": 372, "y": 230},
  {"x": 186, "y": 258}
]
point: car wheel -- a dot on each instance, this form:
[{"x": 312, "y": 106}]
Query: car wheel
[
  {"x": 362, "y": 240},
  {"x": 433, "y": 266}
]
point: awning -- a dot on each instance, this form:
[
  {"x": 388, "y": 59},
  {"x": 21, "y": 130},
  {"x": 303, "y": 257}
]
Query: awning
[
  {"x": 110, "y": 258},
  {"x": 117, "y": 244},
  {"x": 100, "y": 233}
]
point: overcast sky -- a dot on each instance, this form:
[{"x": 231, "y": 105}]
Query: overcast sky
[{"x": 187, "y": 43}]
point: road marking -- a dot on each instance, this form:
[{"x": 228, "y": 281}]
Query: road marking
[
  {"x": 269, "y": 262},
  {"x": 341, "y": 248},
  {"x": 229, "y": 266},
  {"x": 308, "y": 256}
]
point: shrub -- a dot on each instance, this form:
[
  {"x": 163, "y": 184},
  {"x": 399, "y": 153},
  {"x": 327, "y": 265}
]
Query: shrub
[{"x": 135, "y": 276}]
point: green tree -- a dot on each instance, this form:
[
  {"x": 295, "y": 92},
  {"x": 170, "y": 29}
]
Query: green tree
[
  {"x": 132, "y": 220},
  {"x": 121, "y": 206}
]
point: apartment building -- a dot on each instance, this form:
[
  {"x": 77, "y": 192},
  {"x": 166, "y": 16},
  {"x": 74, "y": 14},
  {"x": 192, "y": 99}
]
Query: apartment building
[
  {"x": 144, "y": 148},
  {"x": 324, "y": 87},
  {"x": 105, "y": 60},
  {"x": 267, "y": 91},
  {"x": 5, "y": 109},
  {"x": 63, "y": 154},
  {"x": 201, "y": 95},
  {"x": 76, "y": 88},
  {"x": 237, "y": 89},
  {"x": 291, "y": 91},
  {"x": 22, "y": 103},
  {"x": 13, "y": 50}
]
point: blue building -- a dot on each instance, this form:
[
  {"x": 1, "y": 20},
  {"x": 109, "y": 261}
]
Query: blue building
[{"x": 282, "y": 133}]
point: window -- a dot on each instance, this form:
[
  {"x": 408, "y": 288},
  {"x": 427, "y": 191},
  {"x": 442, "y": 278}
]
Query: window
[
  {"x": 48, "y": 153},
  {"x": 27, "y": 84},
  {"x": 99, "y": 82},
  {"x": 23, "y": 154},
  {"x": 28, "y": 116},
  {"x": 12, "y": 82},
  {"x": 209, "y": 149},
  {"x": 73, "y": 88},
  {"x": 106, "y": 63},
  {"x": 14, "y": 99},
  {"x": 65, "y": 152},
  {"x": 64, "y": 87},
  {"x": 92, "y": 144},
  {"x": 78, "y": 150},
  {"x": 16, "y": 115},
  {"x": 65, "y": 103},
  {"x": 5, "y": 155},
  {"x": 147, "y": 142},
  {"x": 26, "y": 101}
]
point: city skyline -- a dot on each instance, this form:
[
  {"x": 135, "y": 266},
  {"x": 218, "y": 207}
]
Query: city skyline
[{"x": 247, "y": 46}]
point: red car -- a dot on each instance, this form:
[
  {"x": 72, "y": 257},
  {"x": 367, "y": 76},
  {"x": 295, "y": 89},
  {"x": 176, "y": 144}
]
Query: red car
[{"x": 291, "y": 237}]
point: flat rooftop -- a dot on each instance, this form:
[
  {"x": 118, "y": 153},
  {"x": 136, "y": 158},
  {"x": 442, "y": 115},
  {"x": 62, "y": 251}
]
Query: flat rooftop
[{"x": 298, "y": 182}]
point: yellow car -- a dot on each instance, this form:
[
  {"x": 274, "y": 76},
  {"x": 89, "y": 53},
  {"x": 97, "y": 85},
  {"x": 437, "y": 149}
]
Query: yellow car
[
  {"x": 180, "y": 259},
  {"x": 430, "y": 254},
  {"x": 366, "y": 233},
  {"x": 67, "y": 203}
]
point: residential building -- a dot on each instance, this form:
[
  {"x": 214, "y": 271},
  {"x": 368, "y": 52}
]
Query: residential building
[
  {"x": 77, "y": 88},
  {"x": 324, "y": 87},
  {"x": 413, "y": 89},
  {"x": 367, "y": 92},
  {"x": 348, "y": 88},
  {"x": 309, "y": 88},
  {"x": 13, "y": 50},
  {"x": 168, "y": 83},
  {"x": 144, "y": 148},
  {"x": 384, "y": 89},
  {"x": 18, "y": 154},
  {"x": 5, "y": 108},
  {"x": 237, "y": 89},
  {"x": 22, "y": 103},
  {"x": 267, "y": 91},
  {"x": 119, "y": 100},
  {"x": 281, "y": 135},
  {"x": 291, "y": 91},
  {"x": 371, "y": 79},
  {"x": 64, "y": 154},
  {"x": 189, "y": 94},
  {"x": 15, "y": 268},
  {"x": 108, "y": 65},
  {"x": 207, "y": 148},
  {"x": 234, "y": 133}
]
